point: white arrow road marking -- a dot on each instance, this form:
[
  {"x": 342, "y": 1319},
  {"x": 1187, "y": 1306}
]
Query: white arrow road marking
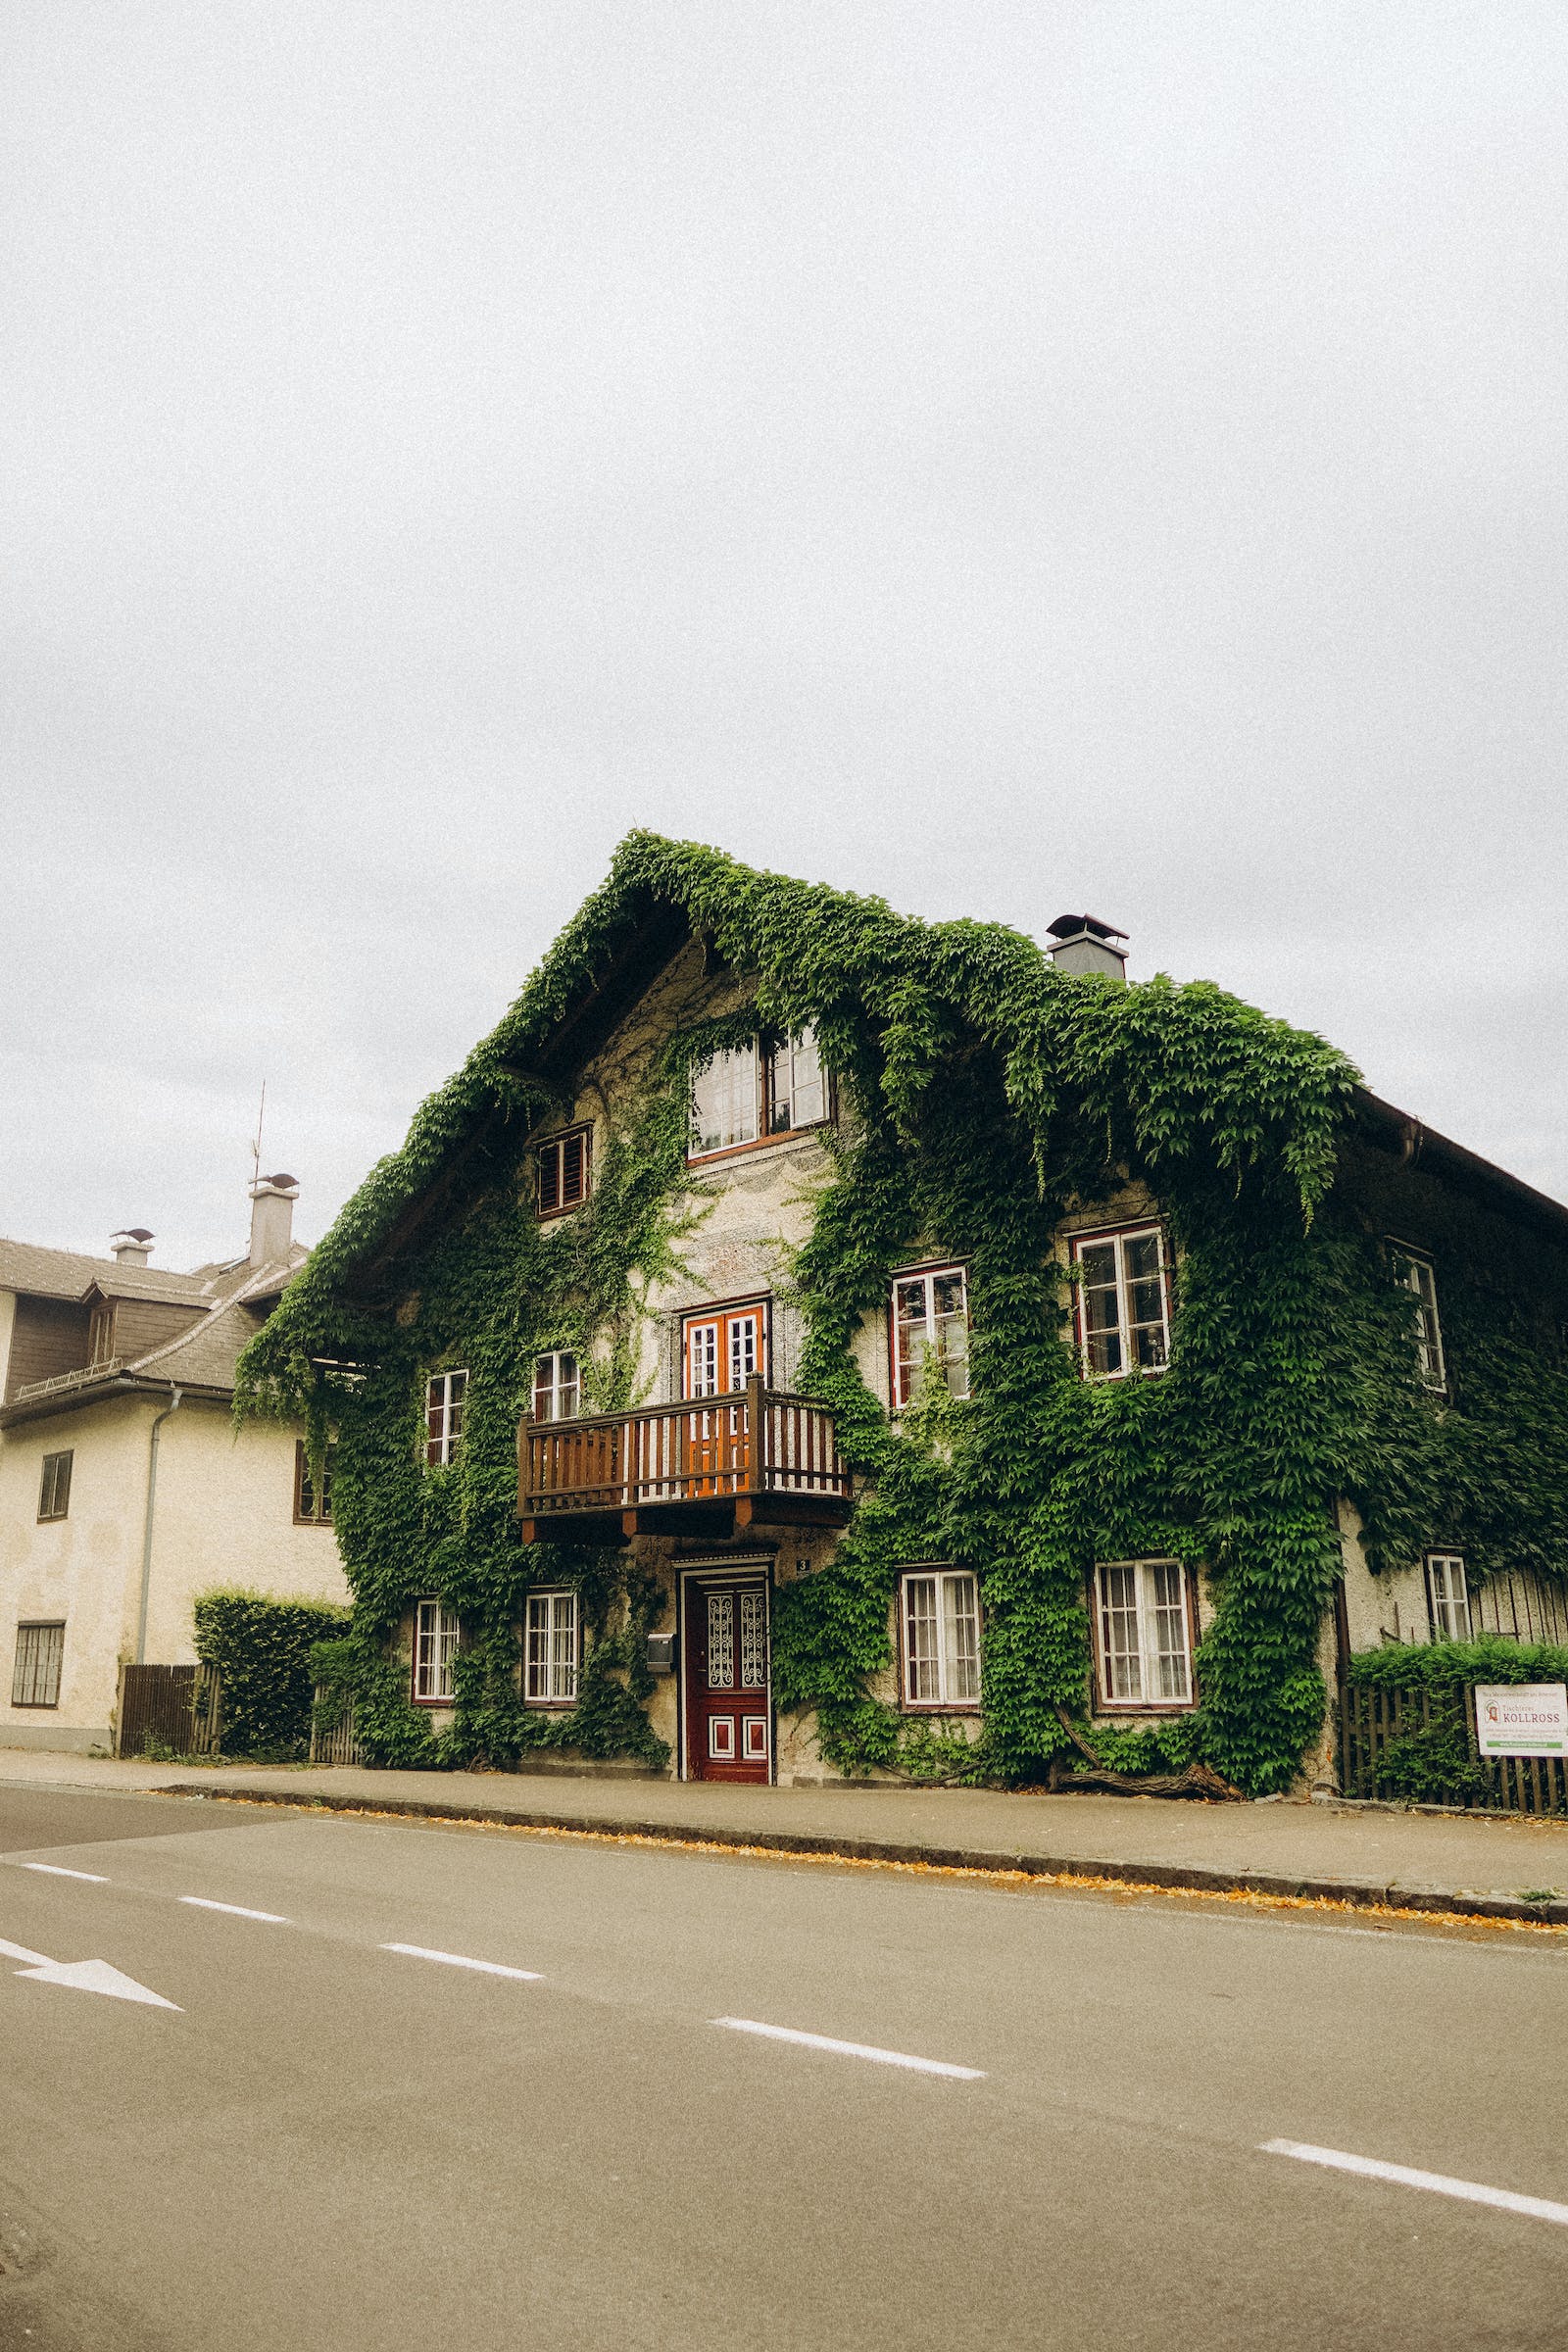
[
  {"x": 205, "y": 1902},
  {"x": 486, "y": 1968},
  {"x": 84, "y": 1976},
  {"x": 57, "y": 1870},
  {"x": 1473, "y": 2192},
  {"x": 852, "y": 2049}
]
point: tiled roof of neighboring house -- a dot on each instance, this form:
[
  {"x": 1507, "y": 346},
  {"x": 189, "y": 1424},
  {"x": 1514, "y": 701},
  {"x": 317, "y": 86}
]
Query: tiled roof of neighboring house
[
  {"x": 204, "y": 1356},
  {"x": 229, "y": 1305}
]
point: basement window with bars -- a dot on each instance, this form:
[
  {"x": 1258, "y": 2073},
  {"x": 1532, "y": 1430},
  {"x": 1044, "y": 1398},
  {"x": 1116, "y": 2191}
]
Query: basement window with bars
[
  {"x": 1123, "y": 1302},
  {"x": 940, "y": 1623},
  {"x": 557, "y": 1387},
  {"x": 54, "y": 1486},
  {"x": 36, "y": 1677},
  {"x": 550, "y": 1652},
  {"x": 312, "y": 1498},
  {"x": 1448, "y": 1596},
  {"x": 436, "y": 1635},
  {"x": 1143, "y": 1633},
  {"x": 445, "y": 1395},
  {"x": 565, "y": 1164}
]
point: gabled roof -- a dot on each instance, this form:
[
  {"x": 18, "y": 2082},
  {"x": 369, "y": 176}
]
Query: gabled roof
[
  {"x": 1184, "y": 1071},
  {"x": 42, "y": 1273}
]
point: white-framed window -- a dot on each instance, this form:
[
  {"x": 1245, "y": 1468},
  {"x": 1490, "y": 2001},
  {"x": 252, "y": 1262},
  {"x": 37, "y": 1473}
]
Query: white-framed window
[
  {"x": 35, "y": 1676},
  {"x": 726, "y": 1101},
  {"x": 1144, "y": 1627},
  {"x": 797, "y": 1083},
  {"x": 939, "y": 1612},
  {"x": 1448, "y": 1596},
  {"x": 565, "y": 1164},
  {"x": 930, "y": 1327},
  {"x": 1123, "y": 1302},
  {"x": 549, "y": 1650},
  {"x": 745, "y": 1094},
  {"x": 312, "y": 1499},
  {"x": 445, "y": 1395},
  {"x": 557, "y": 1387},
  {"x": 1417, "y": 1275},
  {"x": 54, "y": 1486},
  {"x": 436, "y": 1635}
]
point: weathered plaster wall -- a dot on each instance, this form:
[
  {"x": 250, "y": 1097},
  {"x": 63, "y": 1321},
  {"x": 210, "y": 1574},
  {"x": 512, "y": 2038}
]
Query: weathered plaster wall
[{"x": 224, "y": 1514}]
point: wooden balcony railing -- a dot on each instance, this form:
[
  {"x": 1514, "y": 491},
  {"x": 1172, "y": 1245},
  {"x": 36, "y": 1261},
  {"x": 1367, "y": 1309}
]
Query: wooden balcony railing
[{"x": 755, "y": 1453}]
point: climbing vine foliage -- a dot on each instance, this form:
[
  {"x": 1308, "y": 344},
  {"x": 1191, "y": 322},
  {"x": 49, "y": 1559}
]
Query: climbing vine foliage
[{"x": 986, "y": 1096}]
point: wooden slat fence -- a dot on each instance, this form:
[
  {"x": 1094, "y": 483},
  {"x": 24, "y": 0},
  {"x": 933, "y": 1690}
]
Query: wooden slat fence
[
  {"x": 1372, "y": 1719},
  {"x": 175, "y": 1707},
  {"x": 334, "y": 1738}
]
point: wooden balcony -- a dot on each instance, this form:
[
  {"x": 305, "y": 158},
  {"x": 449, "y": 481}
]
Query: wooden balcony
[{"x": 753, "y": 1456}]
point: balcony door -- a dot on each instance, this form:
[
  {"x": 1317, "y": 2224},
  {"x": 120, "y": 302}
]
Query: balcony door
[
  {"x": 723, "y": 1349},
  {"x": 729, "y": 1721}
]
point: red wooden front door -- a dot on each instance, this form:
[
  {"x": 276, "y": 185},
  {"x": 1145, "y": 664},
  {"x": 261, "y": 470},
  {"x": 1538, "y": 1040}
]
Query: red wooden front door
[{"x": 729, "y": 1724}]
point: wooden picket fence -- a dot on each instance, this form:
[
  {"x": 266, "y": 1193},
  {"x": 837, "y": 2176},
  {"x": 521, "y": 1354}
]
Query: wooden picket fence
[{"x": 1371, "y": 1719}]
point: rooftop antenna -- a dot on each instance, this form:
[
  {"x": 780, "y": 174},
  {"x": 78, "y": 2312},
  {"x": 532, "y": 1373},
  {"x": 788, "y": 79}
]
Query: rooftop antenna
[{"x": 256, "y": 1144}]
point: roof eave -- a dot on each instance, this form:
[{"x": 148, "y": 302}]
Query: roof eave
[{"x": 1416, "y": 1145}]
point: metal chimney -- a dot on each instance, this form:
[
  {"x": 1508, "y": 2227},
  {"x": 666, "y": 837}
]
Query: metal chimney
[{"x": 1082, "y": 943}]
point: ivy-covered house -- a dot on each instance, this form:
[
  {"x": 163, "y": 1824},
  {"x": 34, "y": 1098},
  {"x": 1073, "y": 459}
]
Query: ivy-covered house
[{"x": 802, "y": 1340}]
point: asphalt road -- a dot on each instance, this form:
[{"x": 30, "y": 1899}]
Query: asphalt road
[{"x": 330, "y": 2143}]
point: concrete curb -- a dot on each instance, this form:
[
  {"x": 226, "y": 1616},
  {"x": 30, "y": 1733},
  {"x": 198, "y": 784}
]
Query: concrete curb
[{"x": 1363, "y": 1894}]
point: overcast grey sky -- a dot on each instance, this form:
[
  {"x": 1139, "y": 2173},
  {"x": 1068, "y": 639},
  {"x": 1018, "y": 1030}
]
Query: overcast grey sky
[{"x": 1009, "y": 457}]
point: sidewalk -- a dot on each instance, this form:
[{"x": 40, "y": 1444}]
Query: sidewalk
[{"x": 1411, "y": 1861}]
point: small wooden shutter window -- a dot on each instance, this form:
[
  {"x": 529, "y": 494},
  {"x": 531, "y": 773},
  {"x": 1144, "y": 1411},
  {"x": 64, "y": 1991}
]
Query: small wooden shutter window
[{"x": 563, "y": 1169}]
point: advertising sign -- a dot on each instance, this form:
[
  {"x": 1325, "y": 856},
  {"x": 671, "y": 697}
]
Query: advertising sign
[{"x": 1522, "y": 1719}]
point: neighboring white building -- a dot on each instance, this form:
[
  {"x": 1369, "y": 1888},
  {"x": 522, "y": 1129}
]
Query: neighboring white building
[{"x": 124, "y": 1488}]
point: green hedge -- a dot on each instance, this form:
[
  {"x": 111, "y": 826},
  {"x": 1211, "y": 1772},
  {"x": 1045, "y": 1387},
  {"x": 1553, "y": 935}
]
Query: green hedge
[
  {"x": 1447, "y": 1665},
  {"x": 261, "y": 1647}
]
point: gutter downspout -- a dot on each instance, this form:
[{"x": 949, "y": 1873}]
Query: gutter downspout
[{"x": 173, "y": 1407}]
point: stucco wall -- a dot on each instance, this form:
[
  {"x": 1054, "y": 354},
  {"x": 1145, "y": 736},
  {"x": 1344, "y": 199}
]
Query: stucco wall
[{"x": 224, "y": 1515}]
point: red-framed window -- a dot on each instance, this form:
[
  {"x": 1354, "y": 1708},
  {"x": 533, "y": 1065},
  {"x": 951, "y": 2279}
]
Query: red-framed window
[
  {"x": 565, "y": 1171},
  {"x": 1145, "y": 1635},
  {"x": 445, "y": 1397},
  {"x": 755, "y": 1093},
  {"x": 1121, "y": 1301},
  {"x": 939, "y": 1639},
  {"x": 930, "y": 1331},
  {"x": 550, "y": 1650}
]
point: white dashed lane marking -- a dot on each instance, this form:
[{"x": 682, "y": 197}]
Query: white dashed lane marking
[
  {"x": 1404, "y": 2175},
  {"x": 485, "y": 1968},
  {"x": 851, "y": 2049},
  {"x": 57, "y": 1870},
  {"x": 204, "y": 1902}
]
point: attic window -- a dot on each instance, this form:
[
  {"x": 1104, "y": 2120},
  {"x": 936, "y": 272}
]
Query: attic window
[
  {"x": 564, "y": 1164},
  {"x": 101, "y": 1334},
  {"x": 1416, "y": 1274},
  {"x": 749, "y": 1093}
]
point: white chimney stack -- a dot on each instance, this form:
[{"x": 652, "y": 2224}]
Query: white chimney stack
[
  {"x": 272, "y": 1200},
  {"x": 1082, "y": 943},
  {"x": 133, "y": 1246}
]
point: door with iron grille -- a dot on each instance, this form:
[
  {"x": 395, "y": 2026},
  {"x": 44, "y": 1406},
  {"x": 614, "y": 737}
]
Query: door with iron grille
[{"x": 729, "y": 1721}]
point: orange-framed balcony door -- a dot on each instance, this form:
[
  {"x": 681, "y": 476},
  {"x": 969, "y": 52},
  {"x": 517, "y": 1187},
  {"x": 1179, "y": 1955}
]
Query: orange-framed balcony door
[{"x": 722, "y": 1351}]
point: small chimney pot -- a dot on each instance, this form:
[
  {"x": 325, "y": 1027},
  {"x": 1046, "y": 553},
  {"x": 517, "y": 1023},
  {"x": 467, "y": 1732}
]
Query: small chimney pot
[
  {"x": 272, "y": 1200},
  {"x": 131, "y": 1248},
  {"x": 1083, "y": 944}
]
